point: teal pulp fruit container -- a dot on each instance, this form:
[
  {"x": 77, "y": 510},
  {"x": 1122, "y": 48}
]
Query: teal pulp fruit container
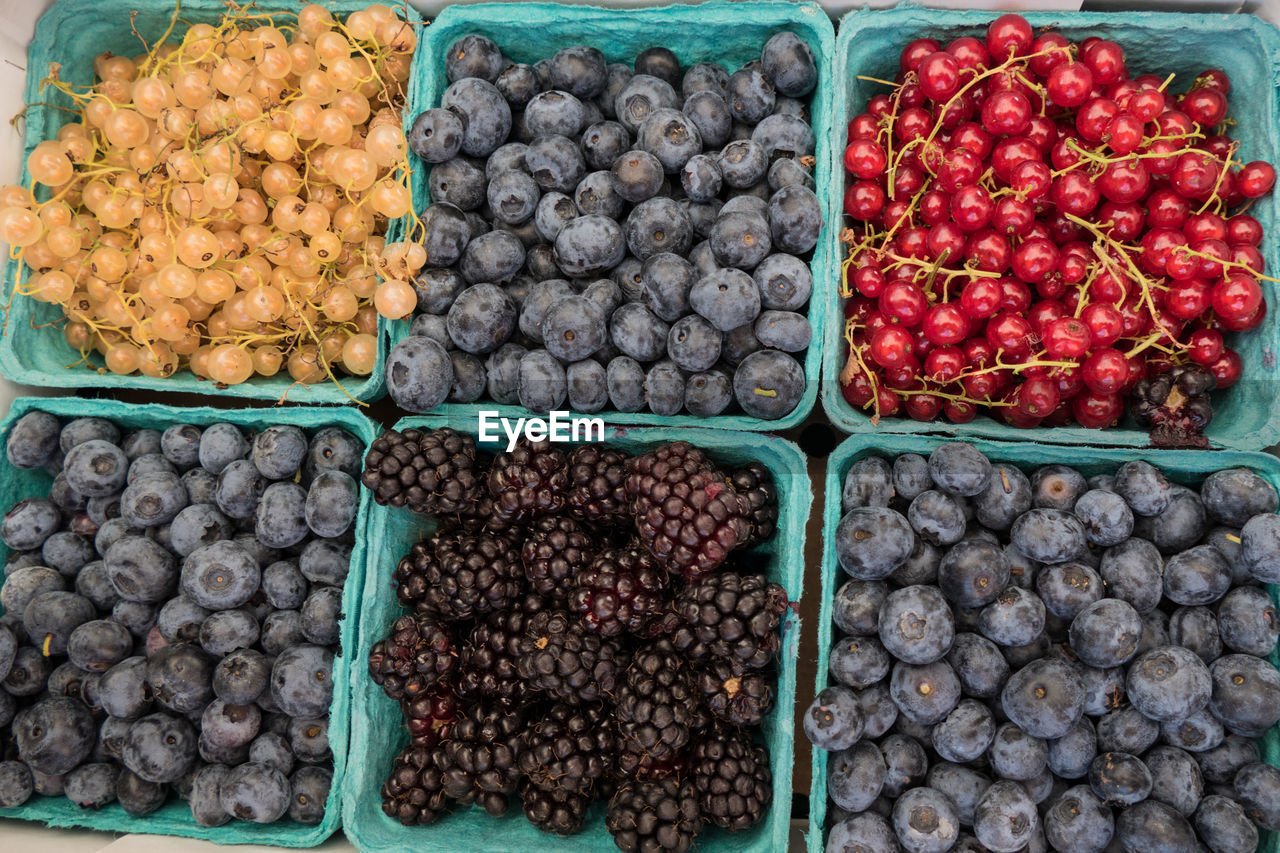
[
  {"x": 1188, "y": 467},
  {"x": 726, "y": 33},
  {"x": 175, "y": 817},
  {"x": 378, "y": 731},
  {"x": 1246, "y": 47},
  {"x": 33, "y": 350}
]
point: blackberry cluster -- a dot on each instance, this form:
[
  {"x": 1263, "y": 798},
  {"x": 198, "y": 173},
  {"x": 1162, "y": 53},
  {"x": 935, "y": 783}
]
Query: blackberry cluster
[
  {"x": 432, "y": 472},
  {"x": 563, "y": 648},
  {"x": 1175, "y": 406}
]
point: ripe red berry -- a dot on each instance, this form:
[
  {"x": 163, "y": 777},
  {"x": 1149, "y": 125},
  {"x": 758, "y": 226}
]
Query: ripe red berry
[
  {"x": 1096, "y": 411},
  {"x": 865, "y": 158},
  {"x": 1256, "y": 179},
  {"x": 1236, "y": 297},
  {"x": 1105, "y": 371},
  {"x": 1008, "y": 35},
  {"x": 891, "y": 346},
  {"x": 939, "y": 75},
  {"x": 1069, "y": 84},
  {"x": 1066, "y": 337}
]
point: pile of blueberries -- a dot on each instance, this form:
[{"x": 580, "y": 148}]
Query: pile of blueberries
[
  {"x": 1050, "y": 662},
  {"x": 615, "y": 237},
  {"x": 172, "y": 610}
]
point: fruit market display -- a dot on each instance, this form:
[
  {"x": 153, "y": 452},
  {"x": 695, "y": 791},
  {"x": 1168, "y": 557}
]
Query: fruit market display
[
  {"x": 609, "y": 236},
  {"x": 220, "y": 202},
  {"x": 1082, "y": 666},
  {"x": 1038, "y": 230},
  {"x": 171, "y": 616},
  {"x": 583, "y": 626}
]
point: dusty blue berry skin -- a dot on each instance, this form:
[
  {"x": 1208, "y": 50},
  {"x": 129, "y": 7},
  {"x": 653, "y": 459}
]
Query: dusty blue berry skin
[
  {"x": 308, "y": 793},
  {"x": 693, "y": 344},
  {"x": 309, "y": 738},
  {"x": 873, "y": 541},
  {"x": 242, "y": 676},
  {"x": 227, "y": 630},
  {"x": 638, "y": 333},
  {"x": 436, "y": 135},
  {"x": 301, "y": 681},
  {"x": 1045, "y": 698},
  {"x": 220, "y": 445},
  {"x": 444, "y": 234},
  {"x": 587, "y": 383},
  {"x": 197, "y": 526},
  {"x": 96, "y": 468},
  {"x": 542, "y": 383},
  {"x": 255, "y": 792},
  {"x": 573, "y": 328},
  {"x": 220, "y": 576},
  {"x": 140, "y": 569},
  {"x": 589, "y": 245},
  {"x": 727, "y": 298},
  {"x": 16, "y": 785},
  {"x": 664, "y": 388},
  {"x": 33, "y": 440},
  {"x": 278, "y": 451},
  {"x": 769, "y": 384},
  {"x": 785, "y": 282},
  {"x": 159, "y": 748},
  {"x": 331, "y": 503},
  {"x": 625, "y": 379},
  {"x": 280, "y": 518},
  {"x": 419, "y": 374},
  {"x": 325, "y": 561},
  {"x": 707, "y": 394},
  {"x": 29, "y": 523},
  {"x": 486, "y": 114},
  {"x": 783, "y": 330},
  {"x": 55, "y": 735}
]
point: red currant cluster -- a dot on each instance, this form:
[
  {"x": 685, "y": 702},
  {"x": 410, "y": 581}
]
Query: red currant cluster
[{"x": 1035, "y": 231}]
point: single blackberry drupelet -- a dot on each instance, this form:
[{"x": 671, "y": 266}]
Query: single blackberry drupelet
[
  {"x": 597, "y": 484},
  {"x": 478, "y": 762},
  {"x": 413, "y": 793},
  {"x": 732, "y": 777},
  {"x": 415, "y": 656},
  {"x": 657, "y": 815},
  {"x": 742, "y": 699},
  {"x": 529, "y": 481},
  {"x": 571, "y": 748},
  {"x": 555, "y": 547},
  {"x": 754, "y": 482},
  {"x": 559, "y": 812},
  {"x": 487, "y": 660},
  {"x": 459, "y": 575},
  {"x": 734, "y": 617},
  {"x": 685, "y": 511},
  {"x": 621, "y": 591},
  {"x": 567, "y": 663},
  {"x": 657, "y": 703},
  {"x": 429, "y": 717},
  {"x": 433, "y": 472}
]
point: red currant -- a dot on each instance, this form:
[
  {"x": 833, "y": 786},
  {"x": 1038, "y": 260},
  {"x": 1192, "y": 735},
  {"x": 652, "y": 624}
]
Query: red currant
[
  {"x": 1069, "y": 84},
  {"x": 1236, "y": 297},
  {"x": 891, "y": 347},
  {"x": 939, "y": 74},
  {"x": 1244, "y": 230},
  {"x": 1066, "y": 338},
  {"x": 971, "y": 207},
  {"x": 923, "y": 407},
  {"x": 1256, "y": 179},
  {"x": 865, "y": 158},
  {"x": 944, "y": 364},
  {"x": 1106, "y": 60},
  {"x": 1007, "y": 36},
  {"x": 864, "y": 201},
  {"x": 1006, "y": 113},
  {"x": 1227, "y": 369},
  {"x": 1096, "y": 411},
  {"x": 1037, "y": 397},
  {"x": 1105, "y": 371},
  {"x": 1205, "y": 346},
  {"x": 915, "y": 52}
]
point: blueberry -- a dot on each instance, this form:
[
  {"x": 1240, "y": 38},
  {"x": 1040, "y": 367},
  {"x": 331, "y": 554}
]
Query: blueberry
[
  {"x": 140, "y": 569},
  {"x": 1057, "y": 487},
  {"x": 795, "y": 219},
  {"x": 123, "y": 689},
  {"x": 866, "y": 832},
  {"x": 936, "y": 517},
  {"x": 835, "y": 720},
  {"x": 1126, "y": 730},
  {"x": 309, "y": 739},
  {"x": 153, "y": 499},
  {"x": 159, "y": 748},
  {"x": 916, "y": 625},
  {"x": 587, "y": 386},
  {"x": 206, "y": 808},
  {"x": 658, "y": 225},
  {"x": 493, "y": 257},
  {"x": 473, "y": 56},
  {"x": 1168, "y": 683},
  {"x": 869, "y": 482},
  {"x": 1221, "y": 763},
  {"x": 502, "y": 369},
  {"x": 1197, "y": 733},
  {"x": 542, "y": 295},
  {"x": 321, "y": 613},
  {"x": 700, "y": 177},
  {"x": 68, "y": 552},
  {"x": 220, "y": 576},
  {"x": 751, "y": 95},
  {"x": 785, "y": 136},
  {"x": 180, "y": 444},
  {"x": 856, "y": 606},
  {"x": 301, "y": 681},
  {"x": 671, "y": 137},
  {"x": 220, "y": 445},
  {"x": 227, "y": 630},
  {"x": 925, "y": 821},
  {"x": 708, "y": 394},
  {"x": 179, "y": 620},
  {"x": 664, "y": 388},
  {"x": 911, "y": 475},
  {"x": 457, "y": 182},
  {"x": 1016, "y": 755},
  {"x": 1143, "y": 487},
  {"x": 201, "y": 486},
  {"x": 1260, "y": 547},
  {"x": 91, "y": 786},
  {"x": 228, "y": 726},
  {"x": 605, "y": 293},
  {"x": 1246, "y": 694},
  {"x": 603, "y": 143},
  {"x": 1257, "y": 788},
  {"x": 784, "y": 330},
  {"x": 641, "y": 96},
  {"x": 1079, "y": 821},
  {"x": 787, "y": 173},
  {"x": 973, "y": 573},
  {"x": 1234, "y": 495},
  {"x": 727, "y": 298},
  {"x": 978, "y": 664},
  {"x": 180, "y": 677},
  {"x": 33, "y": 440},
  {"x": 29, "y": 523},
  {"x": 101, "y": 509},
  {"x": 1224, "y": 826},
  {"x": 873, "y": 541},
  {"x": 16, "y": 786},
  {"x": 625, "y": 379},
  {"x": 709, "y": 113},
  {"x": 741, "y": 240},
  {"x": 255, "y": 792},
  {"x": 580, "y": 70},
  {"x": 153, "y": 463},
  {"x": 331, "y": 503},
  {"x": 594, "y": 195},
  {"x": 704, "y": 77},
  {"x": 241, "y": 676},
  {"x": 518, "y": 83},
  {"x": 555, "y": 113},
  {"x": 855, "y": 776},
  {"x": 1015, "y": 618},
  {"x": 445, "y": 235},
  {"x": 325, "y": 561},
  {"x": 81, "y": 430},
  {"x": 693, "y": 344},
  {"x": 556, "y": 163},
  {"x": 925, "y": 693},
  {"x": 858, "y": 662},
  {"x": 1106, "y": 517},
  {"x": 965, "y": 733},
  {"x": 419, "y": 377},
  {"x": 1045, "y": 698},
  {"x": 1153, "y": 827},
  {"x": 1132, "y": 571},
  {"x": 1048, "y": 535},
  {"x": 99, "y": 645},
  {"x": 1248, "y": 622},
  {"x": 589, "y": 245},
  {"x": 959, "y": 469},
  {"x": 543, "y": 384},
  {"x": 485, "y": 114},
  {"x": 789, "y": 64},
  {"x": 309, "y": 791},
  {"x": 573, "y": 328},
  {"x": 1005, "y": 818},
  {"x": 54, "y": 735},
  {"x": 1199, "y": 575}
]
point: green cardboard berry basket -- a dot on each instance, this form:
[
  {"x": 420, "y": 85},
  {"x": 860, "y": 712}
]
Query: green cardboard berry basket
[
  {"x": 1246, "y": 47},
  {"x": 175, "y": 817},
  {"x": 378, "y": 731},
  {"x": 723, "y": 32},
  {"x": 1188, "y": 467},
  {"x": 33, "y": 350}
]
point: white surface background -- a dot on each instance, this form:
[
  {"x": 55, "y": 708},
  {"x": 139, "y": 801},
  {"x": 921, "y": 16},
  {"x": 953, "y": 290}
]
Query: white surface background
[{"x": 17, "y": 22}]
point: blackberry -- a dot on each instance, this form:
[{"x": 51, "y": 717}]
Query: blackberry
[
  {"x": 431, "y": 472},
  {"x": 742, "y": 699},
  {"x": 754, "y": 482},
  {"x": 429, "y": 716},
  {"x": 732, "y": 777},
  {"x": 657, "y": 703},
  {"x": 622, "y": 590},
  {"x": 458, "y": 575},
  {"x": 660, "y": 815},
  {"x": 556, "y": 811},
  {"x": 685, "y": 511},
  {"x": 571, "y": 749},
  {"x": 487, "y": 660},
  {"x": 597, "y": 485},
  {"x": 555, "y": 548},
  {"x": 566, "y": 662},
  {"x": 528, "y": 481},
  {"x": 478, "y": 762},
  {"x": 734, "y": 617},
  {"x": 414, "y": 791},
  {"x": 1175, "y": 406},
  {"x": 415, "y": 656}
]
